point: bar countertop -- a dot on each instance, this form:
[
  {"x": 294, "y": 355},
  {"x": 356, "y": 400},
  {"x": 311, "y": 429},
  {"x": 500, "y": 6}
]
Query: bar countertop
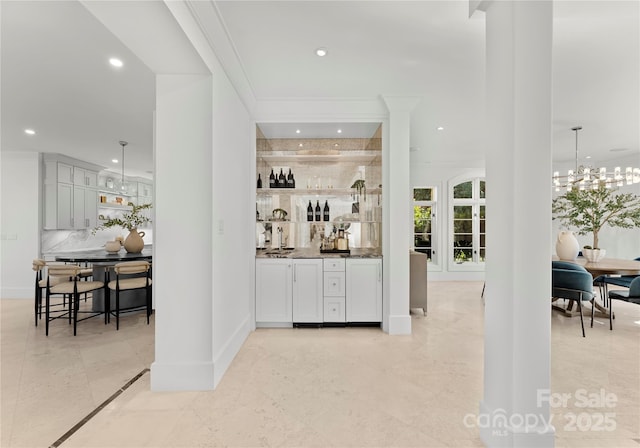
[{"x": 307, "y": 252}]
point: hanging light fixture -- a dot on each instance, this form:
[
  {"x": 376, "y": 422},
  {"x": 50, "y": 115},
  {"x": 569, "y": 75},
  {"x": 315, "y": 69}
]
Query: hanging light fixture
[
  {"x": 583, "y": 177},
  {"x": 123, "y": 144}
]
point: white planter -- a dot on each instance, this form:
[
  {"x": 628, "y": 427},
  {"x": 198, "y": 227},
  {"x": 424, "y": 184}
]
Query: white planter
[
  {"x": 567, "y": 246},
  {"x": 593, "y": 255}
]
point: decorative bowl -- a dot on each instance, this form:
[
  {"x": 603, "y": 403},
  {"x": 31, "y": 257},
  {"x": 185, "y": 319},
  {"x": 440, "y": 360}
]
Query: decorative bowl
[{"x": 112, "y": 247}]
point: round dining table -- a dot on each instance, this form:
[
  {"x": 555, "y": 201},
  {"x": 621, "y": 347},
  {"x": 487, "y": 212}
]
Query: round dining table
[{"x": 101, "y": 261}]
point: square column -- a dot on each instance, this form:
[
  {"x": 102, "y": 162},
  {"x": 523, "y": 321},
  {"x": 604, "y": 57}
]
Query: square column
[
  {"x": 396, "y": 223},
  {"x": 183, "y": 255},
  {"x": 518, "y": 270}
]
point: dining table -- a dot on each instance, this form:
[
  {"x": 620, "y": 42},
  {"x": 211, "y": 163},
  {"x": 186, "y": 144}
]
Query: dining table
[
  {"x": 606, "y": 267},
  {"x": 101, "y": 262}
]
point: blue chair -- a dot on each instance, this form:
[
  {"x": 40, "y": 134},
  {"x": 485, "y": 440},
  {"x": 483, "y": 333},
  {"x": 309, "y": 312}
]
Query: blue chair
[
  {"x": 621, "y": 280},
  {"x": 632, "y": 295},
  {"x": 572, "y": 282}
]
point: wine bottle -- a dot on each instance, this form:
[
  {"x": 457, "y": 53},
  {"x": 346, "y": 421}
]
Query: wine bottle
[
  {"x": 290, "y": 181},
  {"x": 282, "y": 181},
  {"x": 318, "y": 211},
  {"x": 310, "y": 212},
  {"x": 272, "y": 180},
  {"x": 325, "y": 216},
  {"x": 259, "y": 181}
]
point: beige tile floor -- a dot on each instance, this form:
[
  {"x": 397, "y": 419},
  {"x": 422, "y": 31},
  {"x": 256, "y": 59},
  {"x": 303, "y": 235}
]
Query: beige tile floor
[{"x": 353, "y": 387}]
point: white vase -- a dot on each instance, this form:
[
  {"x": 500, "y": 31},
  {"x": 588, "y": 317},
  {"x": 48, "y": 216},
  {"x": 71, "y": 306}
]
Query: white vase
[{"x": 567, "y": 246}]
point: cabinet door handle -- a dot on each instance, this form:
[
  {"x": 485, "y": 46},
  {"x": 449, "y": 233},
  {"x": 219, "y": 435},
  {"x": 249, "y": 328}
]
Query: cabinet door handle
[
  {"x": 72, "y": 223},
  {"x": 294, "y": 272},
  {"x": 379, "y": 269}
]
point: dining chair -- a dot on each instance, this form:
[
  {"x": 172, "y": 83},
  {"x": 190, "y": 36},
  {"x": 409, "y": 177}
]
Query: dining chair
[
  {"x": 602, "y": 281},
  {"x": 65, "y": 279},
  {"x": 39, "y": 265},
  {"x": 130, "y": 275},
  {"x": 632, "y": 295},
  {"x": 572, "y": 282}
]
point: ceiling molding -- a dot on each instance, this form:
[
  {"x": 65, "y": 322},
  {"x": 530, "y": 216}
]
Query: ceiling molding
[{"x": 210, "y": 23}]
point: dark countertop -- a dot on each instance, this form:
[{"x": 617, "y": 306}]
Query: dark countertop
[
  {"x": 101, "y": 256},
  {"x": 307, "y": 252}
]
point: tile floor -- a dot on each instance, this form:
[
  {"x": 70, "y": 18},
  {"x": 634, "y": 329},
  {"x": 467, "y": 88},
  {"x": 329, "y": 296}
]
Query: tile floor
[{"x": 353, "y": 387}]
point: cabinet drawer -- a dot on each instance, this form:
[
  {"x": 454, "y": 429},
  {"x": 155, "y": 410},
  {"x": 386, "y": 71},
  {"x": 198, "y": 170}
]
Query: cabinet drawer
[
  {"x": 334, "y": 310},
  {"x": 334, "y": 284},
  {"x": 334, "y": 264}
]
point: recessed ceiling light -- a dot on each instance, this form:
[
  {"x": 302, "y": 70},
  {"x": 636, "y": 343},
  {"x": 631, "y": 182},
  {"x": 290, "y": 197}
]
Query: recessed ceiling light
[
  {"x": 297, "y": 131},
  {"x": 588, "y": 157},
  {"x": 30, "y": 131},
  {"x": 322, "y": 51},
  {"x": 300, "y": 145},
  {"x": 440, "y": 128},
  {"x": 336, "y": 145},
  {"x": 114, "y": 160},
  {"x": 339, "y": 131},
  {"x": 116, "y": 62}
]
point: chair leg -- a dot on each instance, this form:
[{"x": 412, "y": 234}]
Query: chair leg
[
  {"x": 581, "y": 318},
  {"x": 117, "y": 308},
  {"x": 610, "y": 314},
  {"x": 148, "y": 288},
  {"x": 76, "y": 302},
  {"x": 593, "y": 306},
  {"x": 46, "y": 313}
]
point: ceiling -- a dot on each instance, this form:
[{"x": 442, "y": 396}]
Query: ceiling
[{"x": 55, "y": 77}]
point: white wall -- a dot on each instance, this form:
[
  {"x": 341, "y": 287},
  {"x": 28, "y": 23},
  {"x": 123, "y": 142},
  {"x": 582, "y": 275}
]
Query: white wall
[{"x": 20, "y": 220}]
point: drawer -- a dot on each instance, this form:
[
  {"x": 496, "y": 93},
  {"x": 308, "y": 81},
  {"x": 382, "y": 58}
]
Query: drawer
[
  {"x": 334, "y": 284},
  {"x": 334, "y": 310},
  {"x": 334, "y": 264}
]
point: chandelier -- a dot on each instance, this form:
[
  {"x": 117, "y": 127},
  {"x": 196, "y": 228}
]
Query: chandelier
[{"x": 583, "y": 177}]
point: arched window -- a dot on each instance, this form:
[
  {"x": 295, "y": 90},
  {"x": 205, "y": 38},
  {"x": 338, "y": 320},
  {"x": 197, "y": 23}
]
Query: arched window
[{"x": 467, "y": 250}]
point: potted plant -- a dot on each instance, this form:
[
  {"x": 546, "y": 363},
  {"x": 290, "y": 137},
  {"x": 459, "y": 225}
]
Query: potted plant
[
  {"x": 589, "y": 210},
  {"x": 130, "y": 220}
]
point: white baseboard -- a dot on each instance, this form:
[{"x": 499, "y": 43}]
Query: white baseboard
[
  {"x": 498, "y": 431},
  {"x": 184, "y": 376},
  {"x": 400, "y": 324},
  {"x": 223, "y": 359}
]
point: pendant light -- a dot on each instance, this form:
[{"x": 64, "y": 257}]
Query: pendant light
[
  {"x": 584, "y": 177},
  {"x": 123, "y": 144}
]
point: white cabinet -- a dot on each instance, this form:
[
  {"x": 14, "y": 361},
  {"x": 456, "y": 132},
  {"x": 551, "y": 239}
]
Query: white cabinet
[
  {"x": 364, "y": 290},
  {"x": 70, "y": 194},
  {"x": 274, "y": 296},
  {"x": 334, "y": 290},
  {"x": 307, "y": 290}
]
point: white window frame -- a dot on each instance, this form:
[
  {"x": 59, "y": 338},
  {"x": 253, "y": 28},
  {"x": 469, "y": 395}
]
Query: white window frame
[
  {"x": 475, "y": 202},
  {"x": 436, "y": 257}
]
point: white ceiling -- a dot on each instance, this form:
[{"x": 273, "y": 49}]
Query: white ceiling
[{"x": 55, "y": 77}]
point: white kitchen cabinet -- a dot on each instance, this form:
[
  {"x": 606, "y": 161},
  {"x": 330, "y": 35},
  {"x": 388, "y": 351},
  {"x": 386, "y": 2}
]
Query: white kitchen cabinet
[
  {"x": 334, "y": 290},
  {"x": 84, "y": 177},
  {"x": 364, "y": 290},
  {"x": 307, "y": 290},
  {"x": 274, "y": 292},
  {"x": 70, "y": 193}
]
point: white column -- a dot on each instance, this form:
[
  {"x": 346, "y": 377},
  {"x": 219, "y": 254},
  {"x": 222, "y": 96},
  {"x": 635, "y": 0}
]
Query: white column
[
  {"x": 518, "y": 267},
  {"x": 397, "y": 216},
  {"x": 182, "y": 258}
]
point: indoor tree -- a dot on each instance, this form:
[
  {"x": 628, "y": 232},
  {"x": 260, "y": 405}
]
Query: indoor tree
[{"x": 589, "y": 210}]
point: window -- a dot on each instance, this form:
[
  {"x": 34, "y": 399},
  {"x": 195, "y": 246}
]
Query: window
[
  {"x": 424, "y": 215},
  {"x": 468, "y": 223}
]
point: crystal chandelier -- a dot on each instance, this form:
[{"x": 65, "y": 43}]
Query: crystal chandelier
[{"x": 584, "y": 177}]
